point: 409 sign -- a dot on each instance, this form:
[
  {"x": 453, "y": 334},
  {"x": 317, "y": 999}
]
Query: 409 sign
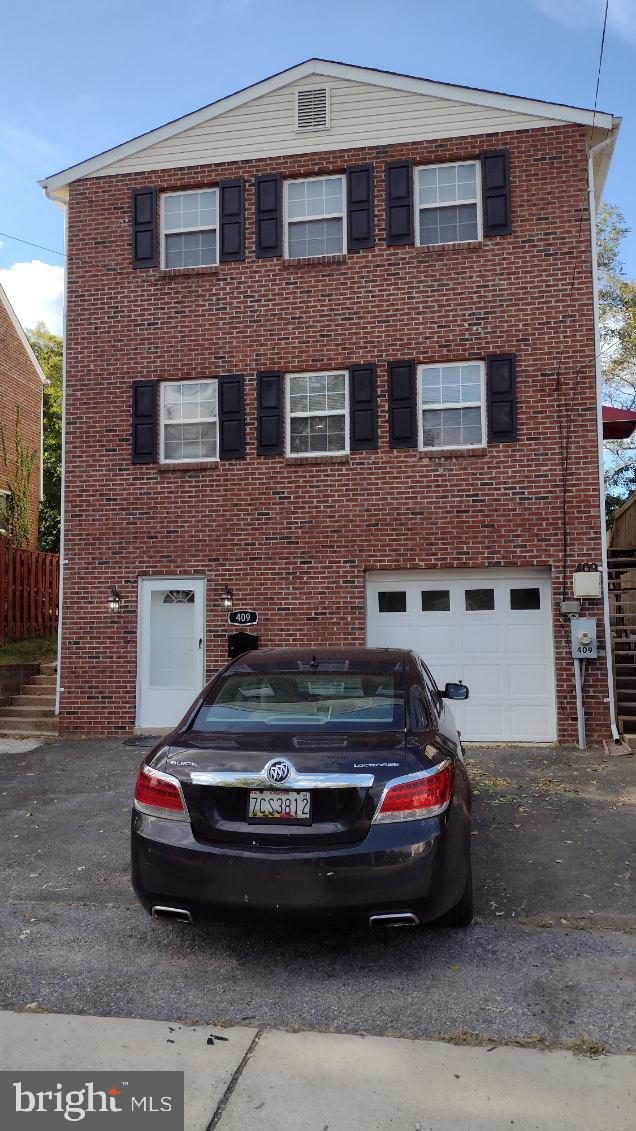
[{"x": 242, "y": 617}]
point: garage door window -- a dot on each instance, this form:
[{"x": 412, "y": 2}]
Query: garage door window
[
  {"x": 435, "y": 601},
  {"x": 479, "y": 600},
  {"x": 521, "y": 599},
  {"x": 392, "y": 602},
  {"x": 451, "y": 405}
]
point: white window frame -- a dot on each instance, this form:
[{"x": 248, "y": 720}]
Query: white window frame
[
  {"x": 326, "y": 412},
  {"x": 304, "y": 219},
  {"x": 449, "y": 203},
  {"x": 162, "y": 422},
  {"x": 470, "y": 404},
  {"x": 186, "y": 231}
]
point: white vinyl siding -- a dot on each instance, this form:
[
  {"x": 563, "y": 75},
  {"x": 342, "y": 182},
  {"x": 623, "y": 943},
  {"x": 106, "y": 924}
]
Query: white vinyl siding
[
  {"x": 317, "y": 414},
  {"x": 451, "y": 405},
  {"x": 448, "y": 203},
  {"x": 360, "y": 114},
  {"x": 189, "y": 235},
  {"x": 314, "y": 217},
  {"x": 189, "y": 421}
]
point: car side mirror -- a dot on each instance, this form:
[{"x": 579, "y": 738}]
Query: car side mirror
[{"x": 455, "y": 691}]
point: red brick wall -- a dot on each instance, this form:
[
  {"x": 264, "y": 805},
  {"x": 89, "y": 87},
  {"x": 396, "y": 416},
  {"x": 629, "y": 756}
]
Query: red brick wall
[
  {"x": 294, "y": 538},
  {"x": 20, "y": 387}
]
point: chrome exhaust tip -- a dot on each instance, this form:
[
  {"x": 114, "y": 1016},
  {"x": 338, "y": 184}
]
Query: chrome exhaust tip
[
  {"x": 394, "y": 919},
  {"x": 179, "y": 913}
]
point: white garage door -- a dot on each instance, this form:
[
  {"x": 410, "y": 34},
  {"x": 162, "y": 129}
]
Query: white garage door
[{"x": 492, "y": 629}]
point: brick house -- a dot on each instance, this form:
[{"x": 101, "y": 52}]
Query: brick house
[
  {"x": 347, "y": 371},
  {"x": 21, "y": 403}
]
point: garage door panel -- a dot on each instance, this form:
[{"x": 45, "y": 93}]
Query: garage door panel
[
  {"x": 484, "y": 679},
  {"x": 504, "y": 655}
]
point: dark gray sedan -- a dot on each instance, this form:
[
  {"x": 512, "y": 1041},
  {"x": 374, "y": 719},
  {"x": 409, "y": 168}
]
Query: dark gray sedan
[{"x": 321, "y": 786}]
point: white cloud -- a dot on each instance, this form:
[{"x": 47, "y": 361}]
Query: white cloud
[
  {"x": 584, "y": 14},
  {"x": 35, "y": 291}
]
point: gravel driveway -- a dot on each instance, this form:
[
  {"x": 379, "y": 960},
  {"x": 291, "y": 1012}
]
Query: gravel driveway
[{"x": 550, "y": 958}]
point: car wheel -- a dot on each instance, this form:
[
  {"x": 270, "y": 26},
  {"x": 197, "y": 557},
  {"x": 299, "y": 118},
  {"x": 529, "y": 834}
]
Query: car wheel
[{"x": 461, "y": 915}]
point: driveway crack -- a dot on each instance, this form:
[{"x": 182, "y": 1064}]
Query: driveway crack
[{"x": 227, "y": 1095}]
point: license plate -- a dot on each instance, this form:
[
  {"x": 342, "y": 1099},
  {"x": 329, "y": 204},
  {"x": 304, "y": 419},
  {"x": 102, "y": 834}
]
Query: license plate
[{"x": 279, "y": 806}]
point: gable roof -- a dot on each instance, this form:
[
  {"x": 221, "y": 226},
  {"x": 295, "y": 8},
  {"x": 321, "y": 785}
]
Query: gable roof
[
  {"x": 326, "y": 68},
  {"x": 22, "y": 336}
]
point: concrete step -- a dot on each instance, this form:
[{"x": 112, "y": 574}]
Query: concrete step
[
  {"x": 33, "y": 699},
  {"x": 40, "y": 681},
  {"x": 28, "y": 726},
  {"x": 28, "y": 712},
  {"x": 48, "y": 669}
]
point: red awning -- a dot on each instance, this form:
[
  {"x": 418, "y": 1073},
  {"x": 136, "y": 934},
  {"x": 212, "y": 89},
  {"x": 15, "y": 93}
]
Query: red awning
[{"x": 618, "y": 423}]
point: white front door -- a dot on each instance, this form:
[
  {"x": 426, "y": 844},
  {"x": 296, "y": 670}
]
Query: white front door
[
  {"x": 171, "y": 648},
  {"x": 490, "y": 628}
]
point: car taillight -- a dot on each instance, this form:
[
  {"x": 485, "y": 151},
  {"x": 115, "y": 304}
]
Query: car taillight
[
  {"x": 416, "y": 796},
  {"x": 159, "y": 795}
]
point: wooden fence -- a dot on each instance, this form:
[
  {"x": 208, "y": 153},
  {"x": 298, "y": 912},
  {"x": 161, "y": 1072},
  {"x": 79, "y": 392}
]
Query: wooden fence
[{"x": 29, "y": 588}]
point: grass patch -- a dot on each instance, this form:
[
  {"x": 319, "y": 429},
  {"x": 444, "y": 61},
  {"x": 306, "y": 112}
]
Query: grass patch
[{"x": 39, "y": 649}]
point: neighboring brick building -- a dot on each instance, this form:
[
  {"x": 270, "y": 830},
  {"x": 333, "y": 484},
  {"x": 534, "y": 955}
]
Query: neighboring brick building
[
  {"x": 388, "y": 247},
  {"x": 21, "y": 385}
]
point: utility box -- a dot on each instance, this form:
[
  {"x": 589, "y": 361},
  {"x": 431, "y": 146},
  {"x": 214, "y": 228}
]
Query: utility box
[
  {"x": 587, "y": 583},
  {"x": 584, "y": 645}
]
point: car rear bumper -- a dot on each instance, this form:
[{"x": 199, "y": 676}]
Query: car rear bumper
[{"x": 417, "y": 866}]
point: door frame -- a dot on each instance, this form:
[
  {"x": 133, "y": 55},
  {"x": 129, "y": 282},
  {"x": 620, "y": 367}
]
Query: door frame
[{"x": 172, "y": 582}]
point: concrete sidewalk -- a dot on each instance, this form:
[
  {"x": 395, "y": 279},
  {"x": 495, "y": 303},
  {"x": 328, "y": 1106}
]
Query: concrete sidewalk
[{"x": 278, "y": 1081}]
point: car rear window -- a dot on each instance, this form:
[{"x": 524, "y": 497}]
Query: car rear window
[{"x": 322, "y": 700}]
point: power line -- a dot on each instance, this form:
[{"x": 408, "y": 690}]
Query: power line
[{"x": 30, "y": 243}]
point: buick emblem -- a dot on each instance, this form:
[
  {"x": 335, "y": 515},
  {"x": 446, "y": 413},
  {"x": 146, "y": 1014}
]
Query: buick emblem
[{"x": 279, "y": 771}]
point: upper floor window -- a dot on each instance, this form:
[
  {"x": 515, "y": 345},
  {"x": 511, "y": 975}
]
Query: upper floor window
[
  {"x": 189, "y": 228},
  {"x": 189, "y": 421},
  {"x": 451, "y": 405},
  {"x": 314, "y": 217},
  {"x": 447, "y": 203},
  {"x": 5, "y": 509},
  {"x": 317, "y": 414}
]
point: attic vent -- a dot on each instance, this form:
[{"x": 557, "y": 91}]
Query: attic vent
[{"x": 312, "y": 109}]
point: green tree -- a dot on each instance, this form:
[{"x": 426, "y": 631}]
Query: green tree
[
  {"x": 617, "y": 317},
  {"x": 47, "y": 347}
]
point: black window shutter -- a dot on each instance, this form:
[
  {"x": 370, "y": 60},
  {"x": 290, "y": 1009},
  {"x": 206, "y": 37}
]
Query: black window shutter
[
  {"x": 144, "y": 227},
  {"x": 402, "y": 405},
  {"x": 268, "y": 223},
  {"x": 269, "y": 428},
  {"x": 501, "y": 381},
  {"x": 495, "y": 187},
  {"x": 144, "y": 422},
  {"x": 231, "y": 416},
  {"x": 360, "y": 228},
  {"x": 232, "y": 220},
  {"x": 363, "y": 407},
  {"x": 399, "y": 202}
]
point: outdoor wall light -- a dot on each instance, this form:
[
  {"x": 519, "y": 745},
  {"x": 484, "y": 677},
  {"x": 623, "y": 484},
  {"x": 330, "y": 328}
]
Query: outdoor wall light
[
  {"x": 227, "y": 598},
  {"x": 114, "y": 600}
]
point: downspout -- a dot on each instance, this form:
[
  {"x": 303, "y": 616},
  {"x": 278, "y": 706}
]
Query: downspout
[
  {"x": 599, "y": 422},
  {"x": 58, "y": 681}
]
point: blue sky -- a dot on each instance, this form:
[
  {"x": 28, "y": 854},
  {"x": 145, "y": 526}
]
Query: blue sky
[{"x": 77, "y": 77}]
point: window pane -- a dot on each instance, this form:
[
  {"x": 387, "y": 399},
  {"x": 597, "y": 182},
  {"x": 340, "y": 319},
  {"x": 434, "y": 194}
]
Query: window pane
[
  {"x": 315, "y": 237},
  {"x": 190, "y": 210},
  {"x": 479, "y": 600},
  {"x": 525, "y": 599},
  {"x": 189, "y": 401},
  {"x": 190, "y": 441},
  {"x": 451, "y": 427},
  {"x": 318, "y": 197},
  {"x": 447, "y": 184},
  {"x": 435, "y": 601},
  {"x": 194, "y": 249},
  {"x": 392, "y": 602},
  {"x": 454, "y": 224}
]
